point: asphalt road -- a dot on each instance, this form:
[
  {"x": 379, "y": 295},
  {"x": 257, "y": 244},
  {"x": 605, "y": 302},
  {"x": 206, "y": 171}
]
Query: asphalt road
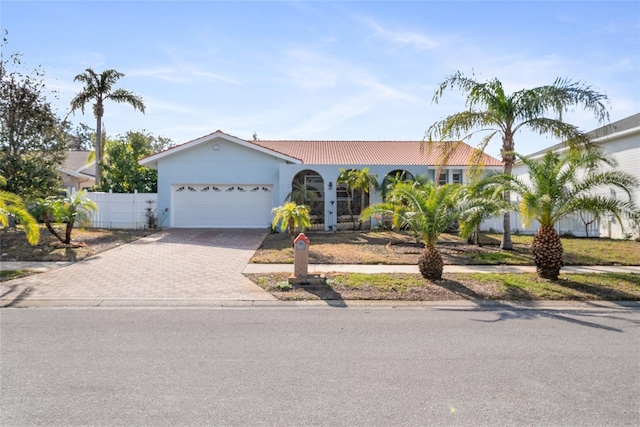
[{"x": 319, "y": 366}]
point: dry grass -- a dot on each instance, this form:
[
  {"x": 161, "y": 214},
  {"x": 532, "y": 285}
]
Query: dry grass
[
  {"x": 392, "y": 247},
  {"x": 412, "y": 287}
]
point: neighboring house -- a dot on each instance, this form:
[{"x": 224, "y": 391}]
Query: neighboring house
[
  {"x": 621, "y": 140},
  {"x": 220, "y": 180},
  {"x": 77, "y": 172}
]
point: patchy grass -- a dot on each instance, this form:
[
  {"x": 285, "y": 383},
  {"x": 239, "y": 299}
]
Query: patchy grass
[
  {"x": 480, "y": 286},
  {"x": 392, "y": 247},
  {"x": 92, "y": 241},
  {"x": 6, "y": 275}
]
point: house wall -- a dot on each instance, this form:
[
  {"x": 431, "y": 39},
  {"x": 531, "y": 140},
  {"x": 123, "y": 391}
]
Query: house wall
[
  {"x": 330, "y": 173},
  {"x": 625, "y": 149},
  {"x": 215, "y": 162}
]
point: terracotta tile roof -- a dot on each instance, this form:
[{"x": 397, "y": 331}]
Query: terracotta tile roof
[{"x": 370, "y": 152}]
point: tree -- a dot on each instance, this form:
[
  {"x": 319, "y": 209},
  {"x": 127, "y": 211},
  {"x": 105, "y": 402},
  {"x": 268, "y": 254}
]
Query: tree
[
  {"x": 491, "y": 110},
  {"x": 355, "y": 180},
  {"x": 476, "y": 206},
  {"x": 12, "y": 206},
  {"x": 97, "y": 89},
  {"x": 68, "y": 210},
  {"x": 122, "y": 172},
  {"x": 291, "y": 216},
  {"x": 427, "y": 210},
  {"x": 79, "y": 138},
  {"x": 364, "y": 181},
  {"x": 30, "y": 144},
  {"x": 560, "y": 185}
]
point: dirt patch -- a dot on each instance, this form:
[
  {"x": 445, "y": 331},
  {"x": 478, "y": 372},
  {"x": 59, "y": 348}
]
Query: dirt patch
[{"x": 85, "y": 243}]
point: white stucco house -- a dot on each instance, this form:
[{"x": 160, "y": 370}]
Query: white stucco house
[
  {"x": 222, "y": 181},
  {"x": 621, "y": 140}
]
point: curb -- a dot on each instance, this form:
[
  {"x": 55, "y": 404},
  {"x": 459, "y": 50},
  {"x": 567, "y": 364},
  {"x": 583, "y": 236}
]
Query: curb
[{"x": 458, "y": 305}]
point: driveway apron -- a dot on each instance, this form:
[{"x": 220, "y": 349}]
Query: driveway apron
[{"x": 174, "y": 264}]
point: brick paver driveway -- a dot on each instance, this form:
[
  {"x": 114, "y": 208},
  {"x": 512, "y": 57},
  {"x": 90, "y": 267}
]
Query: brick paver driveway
[{"x": 172, "y": 265}]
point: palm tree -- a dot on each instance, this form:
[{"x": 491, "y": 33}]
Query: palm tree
[
  {"x": 291, "y": 216},
  {"x": 12, "y": 206},
  {"x": 349, "y": 178},
  {"x": 476, "y": 206},
  {"x": 560, "y": 185},
  {"x": 365, "y": 181},
  {"x": 427, "y": 210},
  {"x": 97, "y": 89},
  {"x": 69, "y": 210},
  {"x": 502, "y": 115}
]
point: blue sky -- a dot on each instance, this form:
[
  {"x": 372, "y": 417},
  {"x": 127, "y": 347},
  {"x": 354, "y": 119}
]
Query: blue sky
[{"x": 323, "y": 70}]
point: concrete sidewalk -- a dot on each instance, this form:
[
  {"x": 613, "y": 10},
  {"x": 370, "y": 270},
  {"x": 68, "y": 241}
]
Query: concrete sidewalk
[
  {"x": 362, "y": 268},
  {"x": 413, "y": 269}
]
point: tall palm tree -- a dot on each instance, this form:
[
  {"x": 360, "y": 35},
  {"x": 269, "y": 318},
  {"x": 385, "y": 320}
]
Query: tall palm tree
[
  {"x": 291, "y": 216},
  {"x": 349, "y": 177},
  {"x": 97, "y": 89},
  {"x": 427, "y": 210},
  {"x": 12, "y": 206},
  {"x": 502, "y": 115},
  {"x": 559, "y": 185},
  {"x": 365, "y": 180}
]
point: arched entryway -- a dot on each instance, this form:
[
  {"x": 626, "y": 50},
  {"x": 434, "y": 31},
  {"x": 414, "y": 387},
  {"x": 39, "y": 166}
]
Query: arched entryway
[
  {"x": 398, "y": 175},
  {"x": 307, "y": 188}
]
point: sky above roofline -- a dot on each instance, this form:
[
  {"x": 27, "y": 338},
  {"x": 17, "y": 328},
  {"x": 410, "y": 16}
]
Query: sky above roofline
[{"x": 323, "y": 70}]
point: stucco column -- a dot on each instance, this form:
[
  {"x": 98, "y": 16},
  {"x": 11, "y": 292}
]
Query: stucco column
[{"x": 330, "y": 205}]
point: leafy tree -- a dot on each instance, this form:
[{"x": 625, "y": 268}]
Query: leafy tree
[
  {"x": 291, "y": 216},
  {"x": 122, "y": 172},
  {"x": 79, "y": 138},
  {"x": 68, "y": 210},
  {"x": 502, "y": 115},
  {"x": 97, "y": 89},
  {"x": 427, "y": 210},
  {"x": 560, "y": 185},
  {"x": 30, "y": 144},
  {"x": 349, "y": 178},
  {"x": 12, "y": 206}
]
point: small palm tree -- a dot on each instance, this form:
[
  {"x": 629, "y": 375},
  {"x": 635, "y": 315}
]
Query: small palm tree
[
  {"x": 68, "y": 210},
  {"x": 12, "y": 206},
  {"x": 502, "y": 115},
  {"x": 427, "y": 210},
  {"x": 291, "y": 216},
  {"x": 97, "y": 89},
  {"x": 476, "y": 206},
  {"x": 560, "y": 185}
]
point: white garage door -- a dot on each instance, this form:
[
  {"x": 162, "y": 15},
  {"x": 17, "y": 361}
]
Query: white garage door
[{"x": 221, "y": 206}]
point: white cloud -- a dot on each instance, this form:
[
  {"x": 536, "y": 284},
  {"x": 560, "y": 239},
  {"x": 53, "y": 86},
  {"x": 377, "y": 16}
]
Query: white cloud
[{"x": 403, "y": 38}]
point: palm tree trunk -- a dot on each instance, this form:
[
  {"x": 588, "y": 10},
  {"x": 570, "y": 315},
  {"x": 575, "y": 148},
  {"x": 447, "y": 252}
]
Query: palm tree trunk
[
  {"x": 98, "y": 156},
  {"x": 47, "y": 223},
  {"x": 350, "y": 209},
  {"x": 508, "y": 157},
  {"x": 292, "y": 229},
  {"x": 430, "y": 263},
  {"x": 67, "y": 235},
  {"x": 547, "y": 252}
]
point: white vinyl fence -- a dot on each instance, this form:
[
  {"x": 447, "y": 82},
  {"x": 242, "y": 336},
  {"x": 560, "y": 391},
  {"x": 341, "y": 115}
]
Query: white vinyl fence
[
  {"x": 573, "y": 225},
  {"x": 127, "y": 211}
]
